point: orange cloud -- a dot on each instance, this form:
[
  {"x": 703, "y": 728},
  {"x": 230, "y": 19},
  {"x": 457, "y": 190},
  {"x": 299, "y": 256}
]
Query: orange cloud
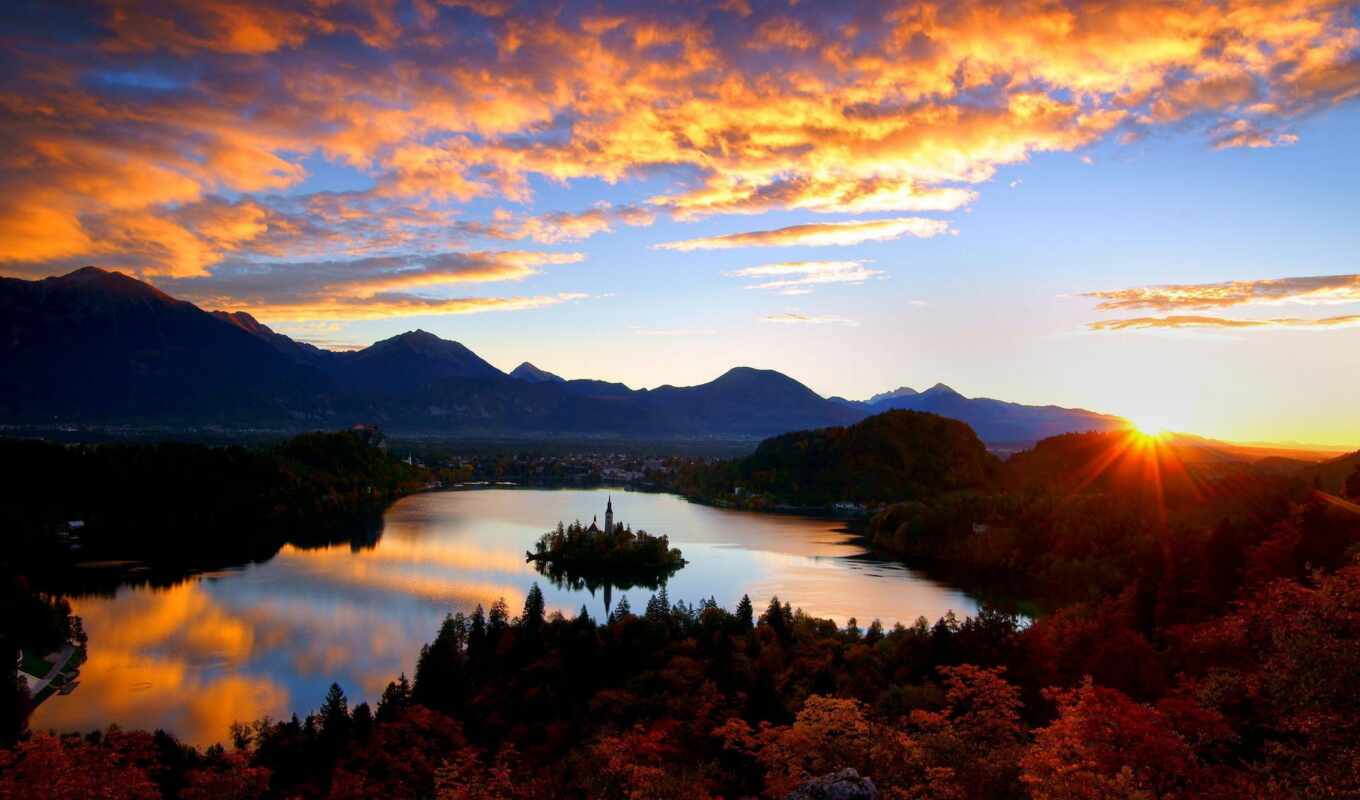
[
  {"x": 829, "y": 195},
  {"x": 396, "y": 305},
  {"x": 1192, "y": 321},
  {"x": 371, "y": 288},
  {"x": 1318, "y": 290},
  {"x": 575, "y": 226},
  {"x": 818, "y": 234},
  {"x": 119, "y": 118}
]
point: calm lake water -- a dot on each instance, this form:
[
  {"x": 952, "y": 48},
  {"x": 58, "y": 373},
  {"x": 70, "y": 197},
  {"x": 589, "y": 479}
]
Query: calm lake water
[{"x": 268, "y": 639}]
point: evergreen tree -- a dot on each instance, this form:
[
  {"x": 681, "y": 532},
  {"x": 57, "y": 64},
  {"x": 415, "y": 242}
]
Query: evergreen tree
[
  {"x": 362, "y": 721},
  {"x": 396, "y": 698},
  {"x": 746, "y": 612},
  {"x": 334, "y": 713},
  {"x": 623, "y": 609},
  {"x": 476, "y": 633},
  {"x": 533, "y": 608},
  {"x": 658, "y": 607},
  {"x": 779, "y": 618}
]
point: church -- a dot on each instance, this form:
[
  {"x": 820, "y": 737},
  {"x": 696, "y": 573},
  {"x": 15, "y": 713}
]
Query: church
[{"x": 608, "y": 518}]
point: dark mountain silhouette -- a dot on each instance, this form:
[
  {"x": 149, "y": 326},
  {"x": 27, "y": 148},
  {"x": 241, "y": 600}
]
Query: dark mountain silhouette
[
  {"x": 298, "y": 351},
  {"x": 996, "y": 421},
  {"x": 101, "y": 347},
  {"x": 408, "y": 362},
  {"x": 725, "y": 403},
  {"x": 528, "y": 372},
  {"x": 901, "y": 391}
]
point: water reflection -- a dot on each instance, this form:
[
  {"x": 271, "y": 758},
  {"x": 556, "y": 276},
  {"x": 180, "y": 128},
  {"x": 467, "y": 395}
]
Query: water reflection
[{"x": 269, "y": 638}]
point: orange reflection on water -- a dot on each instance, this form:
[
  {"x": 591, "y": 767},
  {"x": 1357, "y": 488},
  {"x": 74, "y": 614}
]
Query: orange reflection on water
[
  {"x": 147, "y": 653},
  {"x": 268, "y": 639}
]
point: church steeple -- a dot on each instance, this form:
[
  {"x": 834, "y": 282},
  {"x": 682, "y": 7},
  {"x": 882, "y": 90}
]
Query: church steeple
[{"x": 609, "y": 515}]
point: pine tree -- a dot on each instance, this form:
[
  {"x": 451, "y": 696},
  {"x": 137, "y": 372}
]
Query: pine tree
[
  {"x": 623, "y": 609},
  {"x": 334, "y": 713},
  {"x": 363, "y": 721},
  {"x": 396, "y": 698},
  {"x": 533, "y": 608},
  {"x": 746, "y": 612}
]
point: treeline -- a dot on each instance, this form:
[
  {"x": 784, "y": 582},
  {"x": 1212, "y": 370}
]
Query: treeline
[
  {"x": 1201, "y": 639},
  {"x": 188, "y": 505},
  {"x": 1087, "y": 516},
  {"x": 165, "y": 510},
  {"x": 701, "y": 702},
  {"x": 897, "y": 455}
]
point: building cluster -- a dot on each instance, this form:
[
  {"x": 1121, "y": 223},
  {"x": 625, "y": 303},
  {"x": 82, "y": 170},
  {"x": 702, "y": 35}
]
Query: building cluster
[{"x": 572, "y": 469}]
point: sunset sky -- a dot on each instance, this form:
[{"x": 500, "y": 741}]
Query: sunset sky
[{"x": 1150, "y": 209}]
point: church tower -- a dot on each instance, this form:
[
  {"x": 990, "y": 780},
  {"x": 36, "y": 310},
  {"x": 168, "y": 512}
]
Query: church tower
[{"x": 609, "y": 515}]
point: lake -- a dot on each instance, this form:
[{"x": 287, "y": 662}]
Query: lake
[{"x": 269, "y": 638}]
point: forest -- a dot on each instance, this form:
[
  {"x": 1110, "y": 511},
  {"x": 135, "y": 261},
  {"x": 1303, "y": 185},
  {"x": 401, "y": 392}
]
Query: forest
[
  {"x": 192, "y": 506},
  {"x": 1198, "y": 635},
  {"x": 158, "y": 512}
]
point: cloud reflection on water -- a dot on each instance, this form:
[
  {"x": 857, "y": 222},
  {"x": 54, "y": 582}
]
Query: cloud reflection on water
[{"x": 269, "y": 638}]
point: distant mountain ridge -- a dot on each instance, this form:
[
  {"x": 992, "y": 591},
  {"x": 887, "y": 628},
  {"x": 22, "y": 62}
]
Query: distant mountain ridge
[
  {"x": 901, "y": 391},
  {"x": 528, "y": 372},
  {"x": 101, "y": 347},
  {"x": 996, "y": 421}
]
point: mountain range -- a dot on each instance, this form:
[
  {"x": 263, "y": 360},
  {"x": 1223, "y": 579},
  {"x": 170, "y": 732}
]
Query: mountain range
[
  {"x": 995, "y": 421},
  {"x": 100, "y": 347}
]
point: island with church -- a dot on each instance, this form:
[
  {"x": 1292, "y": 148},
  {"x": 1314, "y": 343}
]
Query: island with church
[{"x": 579, "y": 556}]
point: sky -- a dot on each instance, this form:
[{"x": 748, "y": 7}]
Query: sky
[{"x": 1147, "y": 209}]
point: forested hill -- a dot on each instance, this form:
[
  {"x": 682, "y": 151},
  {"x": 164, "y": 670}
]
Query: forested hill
[
  {"x": 897, "y": 455},
  {"x": 191, "y": 506}
]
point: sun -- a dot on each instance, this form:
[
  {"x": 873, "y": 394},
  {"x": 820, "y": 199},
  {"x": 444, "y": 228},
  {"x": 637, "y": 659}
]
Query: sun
[{"x": 1149, "y": 427}]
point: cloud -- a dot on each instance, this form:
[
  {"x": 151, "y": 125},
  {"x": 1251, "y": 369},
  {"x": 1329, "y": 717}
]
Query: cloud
[
  {"x": 1195, "y": 321},
  {"x": 368, "y": 288},
  {"x": 818, "y": 234},
  {"x": 1318, "y": 290},
  {"x": 795, "y": 318},
  {"x": 381, "y": 306},
  {"x": 1249, "y": 134},
  {"x": 846, "y": 195},
  {"x": 796, "y": 277},
  {"x": 564, "y": 226},
  {"x": 182, "y": 137}
]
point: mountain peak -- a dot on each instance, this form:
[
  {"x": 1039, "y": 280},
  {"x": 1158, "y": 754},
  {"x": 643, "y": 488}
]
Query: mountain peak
[
  {"x": 414, "y": 357},
  {"x": 421, "y": 341},
  {"x": 528, "y": 372},
  {"x": 939, "y": 390},
  {"x": 901, "y": 391},
  {"x": 108, "y": 282},
  {"x": 417, "y": 335}
]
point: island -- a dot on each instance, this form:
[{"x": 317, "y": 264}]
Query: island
[{"x": 581, "y": 556}]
